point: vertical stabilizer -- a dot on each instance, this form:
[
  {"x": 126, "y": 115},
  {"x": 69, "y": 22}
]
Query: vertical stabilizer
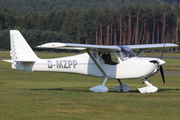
[{"x": 20, "y": 49}]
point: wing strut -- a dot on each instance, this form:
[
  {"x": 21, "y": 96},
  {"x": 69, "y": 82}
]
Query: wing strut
[
  {"x": 99, "y": 88},
  {"x": 140, "y": 52},
  {"x": 97, "y": 64}
]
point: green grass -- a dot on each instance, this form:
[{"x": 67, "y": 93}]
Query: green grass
[
  {"x": 4, "y": 54},
  {"x": 41, "y": 95},
  {"x": 49, "y": 96}
]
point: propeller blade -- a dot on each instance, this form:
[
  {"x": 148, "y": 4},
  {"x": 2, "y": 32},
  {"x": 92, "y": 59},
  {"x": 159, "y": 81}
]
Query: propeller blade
[{"x": 162, "y": 73}]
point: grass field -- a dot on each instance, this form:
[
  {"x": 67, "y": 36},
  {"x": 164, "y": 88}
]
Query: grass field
[{"x": 51, "y": 96}]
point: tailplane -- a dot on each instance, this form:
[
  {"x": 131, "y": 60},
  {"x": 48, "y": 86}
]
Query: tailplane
[{"x": 22, "y": 56}]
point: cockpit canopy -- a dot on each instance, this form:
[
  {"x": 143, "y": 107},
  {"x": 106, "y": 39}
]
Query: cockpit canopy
[
  {"x": 113, "y": 58},
  {"x": 126, "y": 53}
]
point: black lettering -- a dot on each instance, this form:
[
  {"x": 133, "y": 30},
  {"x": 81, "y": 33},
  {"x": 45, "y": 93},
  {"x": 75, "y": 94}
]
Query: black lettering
[
  {"x": 69, "y": 63},
  {"x": 65, "y": 63},
  {"x": 61, "y": 64},
  {"x": 49, "y": 64},
  {"x": 74, "y": 63},
  {"x": 57, "y": 63}
]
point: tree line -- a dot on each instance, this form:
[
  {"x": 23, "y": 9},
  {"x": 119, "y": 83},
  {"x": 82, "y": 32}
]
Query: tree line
[
  {"x": 23, "y": 6},
  {"x": 131, "y": 24}
]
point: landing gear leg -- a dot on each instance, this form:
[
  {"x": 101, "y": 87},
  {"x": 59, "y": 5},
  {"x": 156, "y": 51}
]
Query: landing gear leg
[
  {"x": 121, "y": 88},
  {"x": 105, "y": 80}
]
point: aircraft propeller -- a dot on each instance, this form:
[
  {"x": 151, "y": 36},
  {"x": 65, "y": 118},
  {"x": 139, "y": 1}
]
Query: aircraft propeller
[
  {"x": 160, "y": 66},
  {"x": 162, "y": 73}
]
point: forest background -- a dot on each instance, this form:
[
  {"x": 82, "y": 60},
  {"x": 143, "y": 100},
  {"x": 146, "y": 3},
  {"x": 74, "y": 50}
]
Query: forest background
[{"x": 107, "y": 22}]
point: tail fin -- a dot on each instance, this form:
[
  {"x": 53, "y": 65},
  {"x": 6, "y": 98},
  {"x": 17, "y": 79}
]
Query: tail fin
[{"x": 20, "y": 52}]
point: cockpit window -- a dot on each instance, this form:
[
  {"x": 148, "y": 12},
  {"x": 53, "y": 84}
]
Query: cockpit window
[
  {"x": 108, "y": 58},
  {"x": 114, "y": 57},
  {"x": 126, "y": 53}
]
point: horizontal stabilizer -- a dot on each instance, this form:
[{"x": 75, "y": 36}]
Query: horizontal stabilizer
[
  {"x": 24, "y": 60},
  {"x": 10, "y": 61}
]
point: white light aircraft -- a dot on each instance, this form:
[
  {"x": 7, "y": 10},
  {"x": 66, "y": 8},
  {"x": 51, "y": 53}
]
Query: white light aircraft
[{"x": 96, "y": 61}]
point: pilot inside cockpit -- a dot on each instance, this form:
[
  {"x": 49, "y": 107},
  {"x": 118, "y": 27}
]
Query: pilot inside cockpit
[{"x": 106, "y": 57}]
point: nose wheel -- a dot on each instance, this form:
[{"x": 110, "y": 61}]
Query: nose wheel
[{"x": 149, "y": 88}]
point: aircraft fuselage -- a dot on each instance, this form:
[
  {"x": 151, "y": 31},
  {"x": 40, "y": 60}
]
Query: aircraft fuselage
[{"x": 82, "y": 64}]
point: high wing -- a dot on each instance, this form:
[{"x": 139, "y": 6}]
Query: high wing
[
  {"x": 100, "y": 48},
  {"x": 75, "y": 46},
  {"x": 152, "y": 46}
]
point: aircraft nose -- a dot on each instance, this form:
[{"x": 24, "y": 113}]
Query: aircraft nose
[{"x": 161, "y": 62}]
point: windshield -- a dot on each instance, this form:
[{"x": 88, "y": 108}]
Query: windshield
[{"x": 126, "y": 53}]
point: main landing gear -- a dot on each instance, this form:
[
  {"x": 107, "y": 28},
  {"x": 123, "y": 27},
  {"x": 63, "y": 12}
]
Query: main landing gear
[
  {"x": 121, "y": 87},
  {"x": 118, "y": 88},
  {"x": 100, "y": 88}
]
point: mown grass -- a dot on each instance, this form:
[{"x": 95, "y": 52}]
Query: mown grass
[{"x": 46, "y": 95}]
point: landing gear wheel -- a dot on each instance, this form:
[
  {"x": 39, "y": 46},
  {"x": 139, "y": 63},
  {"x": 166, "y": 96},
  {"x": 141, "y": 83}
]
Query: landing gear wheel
[
  {"x": 125, "y": 88},
  {"x": 149, "y": 88},
  {"x": 121, "y": 87},
  {"x": 121, "y": 90}
]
